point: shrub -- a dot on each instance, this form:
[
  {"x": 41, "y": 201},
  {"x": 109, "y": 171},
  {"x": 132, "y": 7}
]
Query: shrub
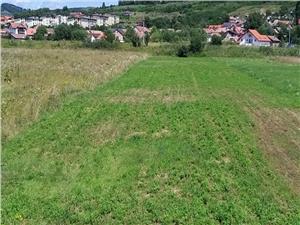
[
  {"x": 182, "y": 51},
  {"x": 196, "y": 44},
  {"x": 216, "y": 40},
  {"x": 40, "y": 33}
]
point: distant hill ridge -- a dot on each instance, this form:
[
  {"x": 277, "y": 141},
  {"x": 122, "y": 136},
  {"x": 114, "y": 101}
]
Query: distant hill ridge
[{"x": 10, "y": 9}]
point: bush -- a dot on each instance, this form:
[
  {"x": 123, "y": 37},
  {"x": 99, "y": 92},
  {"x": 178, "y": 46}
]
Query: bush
[
  {"x": 216, "y": 40},
  {"x": 182, "y": 51},
  {"x": 40, "y": 33},
  {"x": 69, "y": 32},
  {"x": 196, "y": 44}
]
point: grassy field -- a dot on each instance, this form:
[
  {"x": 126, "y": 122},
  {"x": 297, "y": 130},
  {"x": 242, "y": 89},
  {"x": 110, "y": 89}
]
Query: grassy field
[
  {"x": 171, "y": 141},
  {"x": 34, "y": 80}
]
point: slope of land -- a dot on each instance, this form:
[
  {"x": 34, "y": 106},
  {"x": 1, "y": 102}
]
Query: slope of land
[
  {"x": 171, "y": 141},
  {"x": 34, "y": 80}
]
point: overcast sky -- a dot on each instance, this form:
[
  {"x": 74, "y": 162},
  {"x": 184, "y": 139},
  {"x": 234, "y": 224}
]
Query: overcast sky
[{"x": 54, "y": 4}]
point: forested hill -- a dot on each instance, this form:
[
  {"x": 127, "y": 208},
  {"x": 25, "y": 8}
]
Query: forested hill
[{"x": 10, "y": 9}]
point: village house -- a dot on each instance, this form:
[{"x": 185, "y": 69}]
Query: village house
[
  {"x": 141, "y": 31},
  {"x": 87, "y": 22},
  {"x": 96, "y": 35},
  {"x": 274, "y": 41},
  {"x": 119, "y": 34},
  {"x": 32, "y": 21},
  {"x": 6, "y": 19},
  {"x": 31, "y": 32},
  {"x": 230, "y": 31},
  {"x": 254, "y": 38},
  {"x": 17, "y": 30},
  {"x": 214, "y": 30}
]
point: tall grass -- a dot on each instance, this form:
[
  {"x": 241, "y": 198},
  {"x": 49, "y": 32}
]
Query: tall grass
[{"x": 34, "y": 80}]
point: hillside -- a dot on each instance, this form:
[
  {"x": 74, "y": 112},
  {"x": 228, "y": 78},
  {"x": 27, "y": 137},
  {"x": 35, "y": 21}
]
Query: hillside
[
  {"x": 170, "y": 141},
  {"x": 10, "y": 9}
]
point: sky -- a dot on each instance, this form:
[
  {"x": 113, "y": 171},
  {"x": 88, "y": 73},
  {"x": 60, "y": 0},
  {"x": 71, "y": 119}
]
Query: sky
[{"x": 54, "y": 4}]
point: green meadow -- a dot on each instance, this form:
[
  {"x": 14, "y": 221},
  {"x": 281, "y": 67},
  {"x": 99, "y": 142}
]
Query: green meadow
[{"x": 196, "y": 140}]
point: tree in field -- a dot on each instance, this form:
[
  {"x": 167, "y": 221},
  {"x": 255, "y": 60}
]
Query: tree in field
[
  {"x": 40, "y": 33},
  {"x": 103, "y": 5},
  {"x": 254, "y": 21},
  {"x": 197, "y": 41}
]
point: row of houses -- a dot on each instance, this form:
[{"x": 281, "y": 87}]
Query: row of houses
[
  {"x": 75, "y": 17},
  {"x": 21, "y": 31},
  {"x": 233, "y": 31}
]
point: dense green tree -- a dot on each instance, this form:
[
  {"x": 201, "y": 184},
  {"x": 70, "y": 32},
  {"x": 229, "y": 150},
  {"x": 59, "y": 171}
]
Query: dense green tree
[
  {"x": 268, "y": 12},
  {"x": 197, "y": 41},
  {"x": 254, "y": 21},
  {"x": 265, "y": 28},
  {"x": 147, "y": 38},
  {"x": 69, "y": 32},
  {"x": 40, "y": 33},
  {"x": 62, "y": 32},
  {"x": 283, "y": 33},
  {"x": 284, "y": 10},
  {"x": 295, "y": 35},
  {"x": 131, "y": 36},
  {"x": 110, "y": 37},
  {"x": 78, "y": 34},
  {"x": 297, "y": 13}
]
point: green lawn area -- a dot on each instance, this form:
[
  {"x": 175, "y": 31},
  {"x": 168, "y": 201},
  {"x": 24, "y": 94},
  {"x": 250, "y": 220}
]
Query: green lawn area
[{"x": 171, "y": 141}]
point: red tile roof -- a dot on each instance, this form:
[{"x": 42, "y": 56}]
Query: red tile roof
[
  {"x": 17, "y": 25},
  {"x": 97, "y": 34},
  {"x": 31, "y": 31},
  {"x": 259, "y": 37}
]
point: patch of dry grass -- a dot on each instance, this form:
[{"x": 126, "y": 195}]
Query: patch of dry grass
[
  {"x": 279, "y": 132},
  {"x": 34, "y": 80},
  {"x": 288, "y": 59}
]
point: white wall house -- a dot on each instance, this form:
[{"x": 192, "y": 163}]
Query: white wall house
[
  {"x": 70, "y": 21},
  {"x": 253, "y": 38},
  {"x": 87, "y": 22},
  {"x": 99, "y": 19},
  {"x": 32, "y": 21}
]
